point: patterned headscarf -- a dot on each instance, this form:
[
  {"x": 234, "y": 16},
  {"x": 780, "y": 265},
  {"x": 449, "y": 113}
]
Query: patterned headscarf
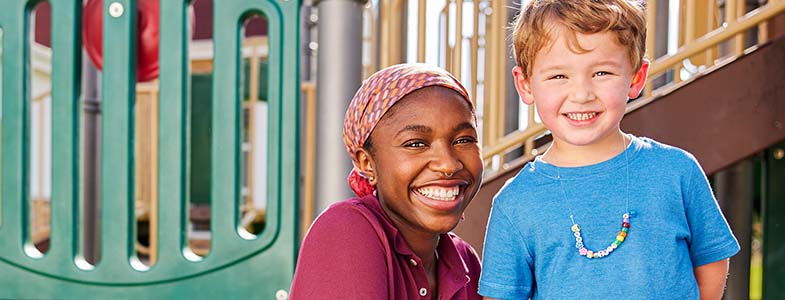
[{"x": 377, "y": 94}]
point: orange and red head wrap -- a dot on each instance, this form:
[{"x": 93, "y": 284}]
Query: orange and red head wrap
[{"x": 376, "y": 95}]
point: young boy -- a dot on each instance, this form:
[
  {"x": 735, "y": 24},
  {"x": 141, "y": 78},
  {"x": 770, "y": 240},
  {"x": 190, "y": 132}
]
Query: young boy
[{"x": 602, "y": 214}]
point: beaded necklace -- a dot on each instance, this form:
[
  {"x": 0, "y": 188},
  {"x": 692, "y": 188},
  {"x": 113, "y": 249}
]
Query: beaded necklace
[{"x": 625, "y": 223}]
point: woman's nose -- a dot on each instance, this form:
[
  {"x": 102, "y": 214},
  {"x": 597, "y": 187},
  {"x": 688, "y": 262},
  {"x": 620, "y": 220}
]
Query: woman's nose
[{"x": 446, "y": 161}]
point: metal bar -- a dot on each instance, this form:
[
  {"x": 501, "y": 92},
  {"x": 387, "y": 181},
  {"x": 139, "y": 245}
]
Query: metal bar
[
  {"x": 118, "y": 232},
  {"x": 339, "y": 47}
]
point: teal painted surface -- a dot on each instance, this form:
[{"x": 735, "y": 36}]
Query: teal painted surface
[
  {"x": 774, "y": 224},
  {"x": 237, "y": 267},
  {"x": 201, "y": 102}
]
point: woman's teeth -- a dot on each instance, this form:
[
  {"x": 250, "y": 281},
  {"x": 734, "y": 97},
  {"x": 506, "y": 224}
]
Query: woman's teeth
[
  {"x": 440, "y": 193},
  {"x": 581, "y": 116}
]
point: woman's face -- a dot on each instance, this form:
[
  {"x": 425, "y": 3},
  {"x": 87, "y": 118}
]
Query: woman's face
[{"x": 426, "y": 159}]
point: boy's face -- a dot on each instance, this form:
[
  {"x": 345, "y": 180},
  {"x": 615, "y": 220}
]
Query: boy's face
[{"x": 581, "y": 96}]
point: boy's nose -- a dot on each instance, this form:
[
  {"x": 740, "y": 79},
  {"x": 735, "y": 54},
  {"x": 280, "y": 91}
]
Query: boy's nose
[{"x": 582, "y": 91}]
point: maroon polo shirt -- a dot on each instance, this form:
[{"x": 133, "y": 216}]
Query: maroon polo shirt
[{"x": 354, "y": 251}]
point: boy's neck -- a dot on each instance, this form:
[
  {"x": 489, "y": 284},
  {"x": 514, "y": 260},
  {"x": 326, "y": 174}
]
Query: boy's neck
[{"x": 563, "y": 154}]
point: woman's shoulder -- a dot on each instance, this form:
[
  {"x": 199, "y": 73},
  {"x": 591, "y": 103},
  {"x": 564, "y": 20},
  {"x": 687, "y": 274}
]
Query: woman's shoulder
[
  {"x": 464, "y": 248},
  {"x": 352, "y": 217}
]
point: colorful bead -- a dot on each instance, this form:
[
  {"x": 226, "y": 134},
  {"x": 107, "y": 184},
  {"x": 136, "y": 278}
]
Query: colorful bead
[
  {"x": 625, "y": 216},
  {"x": 583, "y": 251}
]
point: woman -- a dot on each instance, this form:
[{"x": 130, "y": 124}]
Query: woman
[{"x": 411, "y": 131}]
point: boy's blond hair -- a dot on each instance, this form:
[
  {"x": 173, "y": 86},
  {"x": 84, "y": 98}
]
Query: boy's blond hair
[{"x": 534, "y": 26}]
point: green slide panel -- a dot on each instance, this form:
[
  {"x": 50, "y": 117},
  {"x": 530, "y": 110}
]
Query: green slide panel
[{"x": 238, "y": 266}]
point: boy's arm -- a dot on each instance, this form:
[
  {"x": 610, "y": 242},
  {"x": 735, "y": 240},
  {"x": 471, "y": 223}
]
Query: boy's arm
[{"x": 711, "y": 279}]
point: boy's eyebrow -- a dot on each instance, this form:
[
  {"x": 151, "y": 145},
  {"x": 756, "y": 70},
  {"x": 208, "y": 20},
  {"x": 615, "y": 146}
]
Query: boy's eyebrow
[{"x": 607, "y": 62}]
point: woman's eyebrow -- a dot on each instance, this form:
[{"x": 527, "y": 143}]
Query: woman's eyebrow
[
  {"x": 464, "y": 125},
  {"x": 416, "y": 128}
]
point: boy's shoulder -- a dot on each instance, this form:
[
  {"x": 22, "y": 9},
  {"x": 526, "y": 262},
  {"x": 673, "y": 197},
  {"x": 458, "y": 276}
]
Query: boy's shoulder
[
  {"x": 652, "y": 149},
  {"x": 522, "y": 186}
]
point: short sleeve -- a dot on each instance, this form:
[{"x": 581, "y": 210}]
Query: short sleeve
[
  {"x": 711, "y": 237},
  {"x": 506, "y": 262},
  {"x": 342, "y": 257}
]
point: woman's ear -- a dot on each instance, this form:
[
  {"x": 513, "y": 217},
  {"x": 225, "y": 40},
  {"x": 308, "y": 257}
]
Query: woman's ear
[
  {"x": 364, "y": 162},
  {"x": 522, "y": 85}
]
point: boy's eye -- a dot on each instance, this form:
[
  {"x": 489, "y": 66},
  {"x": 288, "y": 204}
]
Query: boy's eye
[
  {"x": 602, "y": 73},
  {"x": 560, "y": 76}
]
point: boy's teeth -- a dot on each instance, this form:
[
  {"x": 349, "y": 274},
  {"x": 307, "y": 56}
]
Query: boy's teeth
[
  {"x": 440, "y": 193},
  {"x": 581, "y": 116}
]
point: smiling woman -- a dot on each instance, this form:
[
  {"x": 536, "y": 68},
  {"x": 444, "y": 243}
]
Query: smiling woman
[{"x": 411, "y": 132}]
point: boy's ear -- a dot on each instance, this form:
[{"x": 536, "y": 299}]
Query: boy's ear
[
  {"x": 364, "y": 162},
  {"x": 639, "y": 80},
  {"x": 522, "y": 85}
]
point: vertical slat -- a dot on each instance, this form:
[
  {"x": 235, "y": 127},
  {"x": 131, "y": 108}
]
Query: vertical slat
[
  {"x": 447, "y": 49},
  {"x": 225, "y": 192},
  {"x": 15, "y": 130},
  {"x": 457, "y": 58},
  {"x": 173, "y": 157},
  {"x": 738, "y": 41},
  {"x": 118, "y": 235},
  {"x": 66, "y": 81},
  {"x": 474, "y": 47},
  {"x": 421, "y": 30},
  {"x": 651, "y": 34}
]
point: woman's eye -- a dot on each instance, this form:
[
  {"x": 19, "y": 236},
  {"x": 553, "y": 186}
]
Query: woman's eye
[
  {"x": 414, "y": 144},
  {"x": 466, "y": 140}
]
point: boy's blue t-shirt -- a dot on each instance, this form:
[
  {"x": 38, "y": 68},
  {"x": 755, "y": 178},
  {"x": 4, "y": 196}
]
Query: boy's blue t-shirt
[{"x": 675, "y": 225}]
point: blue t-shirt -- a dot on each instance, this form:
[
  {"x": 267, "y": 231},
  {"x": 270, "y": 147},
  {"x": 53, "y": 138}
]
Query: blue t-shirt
[{"x": 675, "y": 225}]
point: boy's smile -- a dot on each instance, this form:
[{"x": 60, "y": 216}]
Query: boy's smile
[{"x": 580, "y": 85}]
